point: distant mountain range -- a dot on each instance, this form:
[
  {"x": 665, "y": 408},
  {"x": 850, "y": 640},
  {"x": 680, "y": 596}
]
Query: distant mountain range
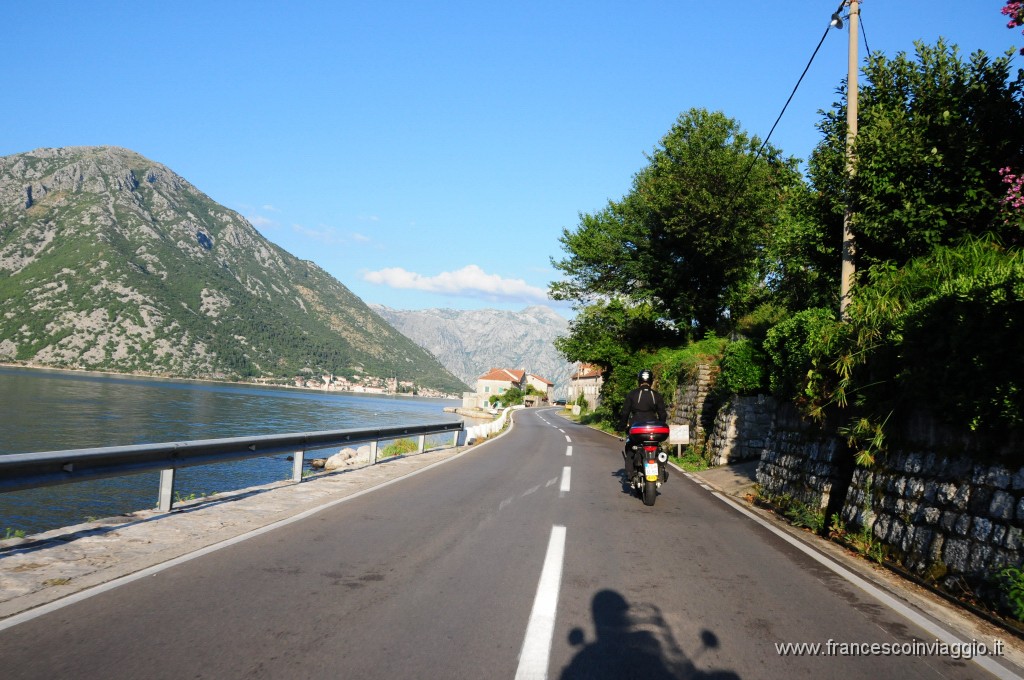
[
  {"x": 469, "y": 343},
  {"x": 110, "y": 261}
]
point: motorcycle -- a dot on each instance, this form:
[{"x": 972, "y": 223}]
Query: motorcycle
[{"x": 643, "y": 443}]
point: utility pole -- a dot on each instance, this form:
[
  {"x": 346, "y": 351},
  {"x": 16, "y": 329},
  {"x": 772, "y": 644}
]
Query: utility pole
[{"x": 849, "y": 248}]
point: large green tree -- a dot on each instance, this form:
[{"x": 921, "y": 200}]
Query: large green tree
[
  {"x": 934, "y": 132},
  {"x": 938, "y": 298},
  {"x": 689, "y": 239}
]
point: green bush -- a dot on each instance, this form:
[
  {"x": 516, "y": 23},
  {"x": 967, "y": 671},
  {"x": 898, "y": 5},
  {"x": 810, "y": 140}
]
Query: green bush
[
  {"x": 743, "y": 368},
  {"x": 957, "y": 351},
  {"x": 1010, "y": 582},
  {"x": 794, "y": 349},
  {"x": 671, "y": 367}
]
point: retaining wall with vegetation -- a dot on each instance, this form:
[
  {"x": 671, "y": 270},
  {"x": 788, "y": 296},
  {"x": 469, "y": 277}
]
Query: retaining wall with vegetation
[{"x": 942, "y": 506}]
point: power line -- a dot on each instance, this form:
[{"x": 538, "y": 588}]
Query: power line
[
  {"x": 865, "y": 34},
  {"x": 810, "y": 61},
  {"x": 795, "y": 87}
]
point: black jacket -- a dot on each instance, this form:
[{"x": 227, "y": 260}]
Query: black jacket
[{"x": 641, "y": 405}]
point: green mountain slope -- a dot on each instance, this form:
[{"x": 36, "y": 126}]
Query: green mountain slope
[{"x": 109, "y": 261}]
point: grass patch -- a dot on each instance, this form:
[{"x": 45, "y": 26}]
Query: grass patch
[
  {"x": 399, "y": 447},
  {"x": 691, "y": 460}
]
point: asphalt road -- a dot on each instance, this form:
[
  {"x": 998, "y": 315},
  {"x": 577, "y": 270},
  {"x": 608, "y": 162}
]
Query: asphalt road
[{"x": 524, "y": 557}]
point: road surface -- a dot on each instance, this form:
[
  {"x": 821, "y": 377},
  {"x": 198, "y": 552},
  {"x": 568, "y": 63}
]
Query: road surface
[{"x": 526, "y": 557}]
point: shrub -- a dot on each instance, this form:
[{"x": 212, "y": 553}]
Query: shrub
[
  {"x": 794, "y": 348},
  {"x": 1010, "y": 582},
  {"x": 957, "y": 349},
  {"x": 743, "y": 370}
]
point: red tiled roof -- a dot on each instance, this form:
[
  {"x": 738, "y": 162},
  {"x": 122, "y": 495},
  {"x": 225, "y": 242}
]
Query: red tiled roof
[
  {"x": 587, "y": 371},
  {"x": 543, "y": 380},
  {"x": 504, "y": 375}
]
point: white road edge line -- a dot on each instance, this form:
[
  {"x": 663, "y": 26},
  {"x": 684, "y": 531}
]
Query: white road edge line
[
  {"x": 566, "y": 474},
  {"x": 927, "y": 624},
  {"x": 536, "y": 652}
]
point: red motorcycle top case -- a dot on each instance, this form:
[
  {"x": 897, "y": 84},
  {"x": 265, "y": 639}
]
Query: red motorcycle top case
[{"x": 652, "y": 432}]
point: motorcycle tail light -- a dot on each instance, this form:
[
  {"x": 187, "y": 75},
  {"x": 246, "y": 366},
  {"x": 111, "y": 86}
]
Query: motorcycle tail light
[{"x": 650, "y": 449}]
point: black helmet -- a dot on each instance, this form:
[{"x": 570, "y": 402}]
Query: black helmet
[{"x": 645, "y": 376}]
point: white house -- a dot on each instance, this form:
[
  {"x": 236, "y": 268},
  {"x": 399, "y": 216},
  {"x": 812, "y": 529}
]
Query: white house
[{"x": 586, "y": 381}]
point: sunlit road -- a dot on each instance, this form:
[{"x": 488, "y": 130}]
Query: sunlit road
[{"x": 524, "y": 557}]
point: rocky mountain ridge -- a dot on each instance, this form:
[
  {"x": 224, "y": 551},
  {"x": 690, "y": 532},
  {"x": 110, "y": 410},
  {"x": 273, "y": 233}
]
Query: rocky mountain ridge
[
  {"x": 110, "y": 261},
  {"x": 470, "y": 342}
]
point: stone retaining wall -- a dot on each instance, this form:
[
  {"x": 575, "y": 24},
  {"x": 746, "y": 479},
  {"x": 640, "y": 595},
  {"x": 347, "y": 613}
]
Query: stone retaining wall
[
  {"x": 944, "y": 516},
  {"x": 799, "y": 460},
  {"x": 692, "y": 406},
  {"x": 741, "y": 430},
  {"x": 939, "y": 511}
]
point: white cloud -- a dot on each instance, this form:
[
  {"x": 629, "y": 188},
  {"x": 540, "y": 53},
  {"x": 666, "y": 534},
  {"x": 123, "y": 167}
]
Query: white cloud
[
  {"x": 322, "y": 235},
  {"x": 360, "y": 238},
  {"x": 260, "y": 222},
  {"x": 471, "y": 281}
]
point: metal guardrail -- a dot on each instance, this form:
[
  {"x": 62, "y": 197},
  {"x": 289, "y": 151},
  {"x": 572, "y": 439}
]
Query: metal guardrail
[{"x": 20, "y": 471}]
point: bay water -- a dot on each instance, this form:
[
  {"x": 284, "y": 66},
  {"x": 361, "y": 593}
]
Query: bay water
[{"x": 44, "y": 410}]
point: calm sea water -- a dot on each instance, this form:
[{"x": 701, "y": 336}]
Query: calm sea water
[{"x": 56, "y": 410}]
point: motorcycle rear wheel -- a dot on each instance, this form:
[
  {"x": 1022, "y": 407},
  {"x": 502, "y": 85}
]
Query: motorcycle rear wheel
[{"x": 650, "y": 492}]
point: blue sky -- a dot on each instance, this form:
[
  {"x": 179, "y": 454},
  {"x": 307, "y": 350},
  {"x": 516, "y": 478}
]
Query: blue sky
[{"x": 429, "y": 154}]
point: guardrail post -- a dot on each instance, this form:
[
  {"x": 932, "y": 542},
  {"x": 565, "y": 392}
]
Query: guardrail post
[
  {"x": 421, "y": 447},
  {"x": 455, "y": 438},
  {"x": 297, "y": 459},
  {"x": 166, "y": 490},
  {"x": 373, "y": 452}
]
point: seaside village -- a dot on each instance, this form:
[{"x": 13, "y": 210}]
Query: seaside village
[
  {"x": 584, "y": 383},
  {"x": 365, "y": 385}
]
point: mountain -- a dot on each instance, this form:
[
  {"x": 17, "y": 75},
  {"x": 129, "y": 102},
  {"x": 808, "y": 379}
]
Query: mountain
[
  {"x": 110, "y": 261},
  {"x": 469, "y": 343}
]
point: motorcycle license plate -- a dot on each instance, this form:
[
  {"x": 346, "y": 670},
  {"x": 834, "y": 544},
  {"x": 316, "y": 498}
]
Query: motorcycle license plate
[{"x": 651, "y": 470}]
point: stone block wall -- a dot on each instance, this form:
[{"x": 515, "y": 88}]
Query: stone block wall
[
  {"x": 941, "y": 513},
  {"x": 692, "y": 405},
  {"x": 799, "y": 460},
  {"x": 741, "y": 429},
  {"x": 945, "y": 516}
]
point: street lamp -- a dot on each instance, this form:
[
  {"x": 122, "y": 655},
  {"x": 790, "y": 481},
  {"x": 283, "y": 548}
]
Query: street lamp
[{"x": 848, "y": 250}]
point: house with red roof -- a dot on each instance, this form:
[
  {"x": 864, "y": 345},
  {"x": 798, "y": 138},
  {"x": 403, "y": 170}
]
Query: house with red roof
[{"x": 497, "y": 381}]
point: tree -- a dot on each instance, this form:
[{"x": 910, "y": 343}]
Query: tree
[
  {"x": 933, "y": 134},
  {"x": 607, "y": 333},
  {"x": 688, "y": 240},
  {"x": 802, "y": 253}
]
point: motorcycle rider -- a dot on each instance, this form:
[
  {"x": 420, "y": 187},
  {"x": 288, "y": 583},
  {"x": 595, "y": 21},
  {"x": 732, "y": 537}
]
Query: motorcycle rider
[{"x": 642, "y": 404}]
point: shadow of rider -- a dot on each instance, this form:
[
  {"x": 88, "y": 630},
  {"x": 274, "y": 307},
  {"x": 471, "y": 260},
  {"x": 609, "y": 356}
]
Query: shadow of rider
[{"x": 623, "y": 650}]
